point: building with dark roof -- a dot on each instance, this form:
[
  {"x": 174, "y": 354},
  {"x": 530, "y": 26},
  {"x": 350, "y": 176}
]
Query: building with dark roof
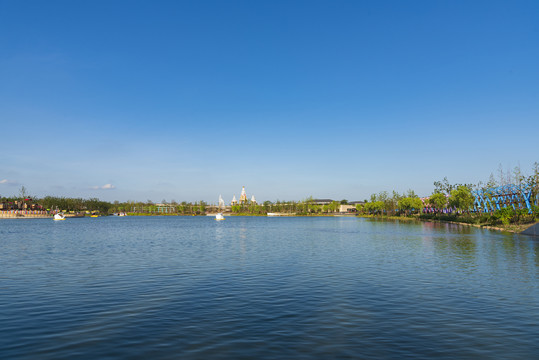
[{"x": 322, "y": 201}]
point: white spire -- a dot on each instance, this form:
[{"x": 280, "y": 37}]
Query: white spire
[
  {"x": 234, "y": 201},
  {"x": 253, "y": 200},
  {"x": 221, "y": 202},
  {"x": 243, "y": 196}
]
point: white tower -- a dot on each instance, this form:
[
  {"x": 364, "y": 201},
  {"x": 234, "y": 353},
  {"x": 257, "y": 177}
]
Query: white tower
[
  {"x": 234, "y": 201},
  {"x": 253, "y": 200},
  {"x": 243, "y": 196},
  {"x": 221, "y": 202}
]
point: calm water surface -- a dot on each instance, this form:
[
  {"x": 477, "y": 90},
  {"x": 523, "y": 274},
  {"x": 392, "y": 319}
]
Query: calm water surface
[{"x": 264, "y": 288}]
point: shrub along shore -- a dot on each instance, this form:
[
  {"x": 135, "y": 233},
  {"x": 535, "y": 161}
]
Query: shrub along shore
[
  {"x": 509, "y": 202},
  {"x": 474, "y": 221}
]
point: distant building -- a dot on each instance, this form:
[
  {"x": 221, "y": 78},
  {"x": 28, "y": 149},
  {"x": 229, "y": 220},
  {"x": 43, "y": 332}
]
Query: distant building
[
  {"x": 322, "y": 201},
  {"x": 165, "y": 208},
  {"x": 221, "y": 202},
  {"x": 347, "y": 208},
  {"x": 243, "y": 196},
  {"x": 20, "y": 205}
]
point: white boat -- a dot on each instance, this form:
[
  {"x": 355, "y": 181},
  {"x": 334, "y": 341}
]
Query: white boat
[
  {"x": 59, "y": 216},
  {"x": 219, "y": 216}
]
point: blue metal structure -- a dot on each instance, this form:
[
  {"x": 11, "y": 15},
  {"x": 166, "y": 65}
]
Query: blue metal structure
[{"x": 492, "y": 199}]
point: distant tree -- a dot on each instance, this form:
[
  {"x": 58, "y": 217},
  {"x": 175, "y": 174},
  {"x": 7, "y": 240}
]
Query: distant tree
[
  {"x": 491, "y": 183},
  {"x": 518, "y": 177},
  {"x": 438, "y": 200},
  {"x": 23, "y": 193},
  {"x": 203, "y": 206},
  {"x": 409, "y": 204},
  {"x": 533, "y": 181},
  {"x": 374, "y": 207},
  {"x": 443, "y": 187},
  {"x": 344, "y": 202},
  {"x": 334, "y": 206},
  {"x": 461, "y": 198},
  {"x": 504, "y": 177},
  {"x": 236, "y": 208}
]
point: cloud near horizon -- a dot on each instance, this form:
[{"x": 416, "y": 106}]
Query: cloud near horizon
[
  {"x": 8, "y": 182},
  {"x": 104, "y": 187}
]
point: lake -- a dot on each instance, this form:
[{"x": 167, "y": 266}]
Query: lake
[{"x": 265, "y": 288}]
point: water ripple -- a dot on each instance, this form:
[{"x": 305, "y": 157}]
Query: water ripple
[{"x": 306, "y": 288}]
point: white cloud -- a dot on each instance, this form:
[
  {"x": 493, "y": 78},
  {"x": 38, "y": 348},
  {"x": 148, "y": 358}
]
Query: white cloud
[
  {"x": 8, "y": 182},
  {"x": 104, "y": 187}
]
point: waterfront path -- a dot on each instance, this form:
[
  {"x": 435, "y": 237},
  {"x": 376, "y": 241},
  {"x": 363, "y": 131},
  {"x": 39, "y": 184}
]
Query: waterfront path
[{"x": 27, "y": 214}]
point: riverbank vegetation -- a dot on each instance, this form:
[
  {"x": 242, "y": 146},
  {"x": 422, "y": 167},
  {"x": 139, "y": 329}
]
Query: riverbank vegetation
[
  {"x": 94, "y": 205},
  {"x": 456, "y": 202},
  {"x": 448, "y": 202}
]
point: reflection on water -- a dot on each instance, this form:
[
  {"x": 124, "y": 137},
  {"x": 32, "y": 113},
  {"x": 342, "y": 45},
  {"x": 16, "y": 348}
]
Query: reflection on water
[{"x": 251, "y": 287}]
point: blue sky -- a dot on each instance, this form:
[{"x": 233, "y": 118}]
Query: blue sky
[{"x": 178, "y": 100}]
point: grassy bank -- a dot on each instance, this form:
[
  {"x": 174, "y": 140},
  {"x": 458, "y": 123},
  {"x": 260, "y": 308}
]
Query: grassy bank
[
  {"x": 508, "y": 221},
  {"x": 389, "y": 217},
  {"x": 503, "y": 220}
]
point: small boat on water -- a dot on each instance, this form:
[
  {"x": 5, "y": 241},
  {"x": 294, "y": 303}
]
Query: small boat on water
[
  {"x": 74, "y": 215},
  {"x": 59, "y": 216},
  {"x": 219, "y": 216},
  {"x": 281, "y": 214}
]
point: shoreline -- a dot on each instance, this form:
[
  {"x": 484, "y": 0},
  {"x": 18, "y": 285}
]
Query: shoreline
[
  {"x": 23, "y": 214},
  {"x": 515, "y": 228}
]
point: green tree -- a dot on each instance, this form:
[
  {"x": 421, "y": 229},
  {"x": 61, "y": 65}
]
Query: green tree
[
  {"x": 236, "y": 209},
  {"x": 461, "y": 198},
  {"x": 442, "y": 187},
  {"x": 202, "y": 207},
  {"x": 334, "y": 206},
  {"x": 374, "y": 207},
  {"x": 409, "y": 204},
  {"x": 438, "y": 200}
]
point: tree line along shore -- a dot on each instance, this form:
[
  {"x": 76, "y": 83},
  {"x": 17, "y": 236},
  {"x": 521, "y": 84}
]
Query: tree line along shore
[{"x": 448, "y": 202}]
